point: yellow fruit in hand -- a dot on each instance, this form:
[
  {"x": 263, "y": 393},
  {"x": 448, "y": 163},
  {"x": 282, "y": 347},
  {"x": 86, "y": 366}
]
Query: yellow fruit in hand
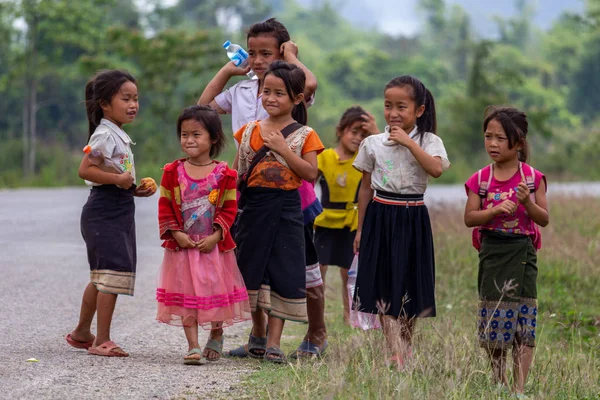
[{"x": 148, "y": 183}]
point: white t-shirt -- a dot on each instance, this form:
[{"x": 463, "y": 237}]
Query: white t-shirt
[
  {"x": 393, "y": 168},
  {"x": 115, "y": 145}
]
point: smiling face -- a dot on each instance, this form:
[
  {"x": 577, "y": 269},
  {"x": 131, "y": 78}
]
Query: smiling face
[
  {"x": 123, "y": 106},
  {"x": 497, "y": 145},
  {"x": 400, "y": 108},
  {"x": 262, "y": 51},
  {"x": 275, "y": 98},
  {"x": 352, "y": 136},
  {"x": 195, "y": 139}
]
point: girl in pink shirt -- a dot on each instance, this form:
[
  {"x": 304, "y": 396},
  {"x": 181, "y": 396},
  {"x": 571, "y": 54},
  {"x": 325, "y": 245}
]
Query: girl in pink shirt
[{"x": 506, "y": 201}]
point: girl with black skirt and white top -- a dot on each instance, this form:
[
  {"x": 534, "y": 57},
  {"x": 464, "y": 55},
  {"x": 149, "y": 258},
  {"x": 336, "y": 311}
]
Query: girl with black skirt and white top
[
  {"x": 107, "y": 218},
  {"x": 396, "y": 268}
]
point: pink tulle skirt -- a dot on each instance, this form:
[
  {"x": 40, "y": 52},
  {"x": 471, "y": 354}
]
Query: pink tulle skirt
[{"x": 200, "y": 288}]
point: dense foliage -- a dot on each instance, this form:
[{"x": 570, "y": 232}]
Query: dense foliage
[{"x": 49, "y": 48}]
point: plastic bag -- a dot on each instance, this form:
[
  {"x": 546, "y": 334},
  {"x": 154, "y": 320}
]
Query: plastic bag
[{"x": 359, "y": 319}]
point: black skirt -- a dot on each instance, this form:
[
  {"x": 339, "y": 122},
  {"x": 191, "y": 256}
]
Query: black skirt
[
  {"x": 335, "y": 246},
  {"x": 108, "y": 229},
  {"x": 271, "y": 252},
  {"x": 396, "y": 267}
]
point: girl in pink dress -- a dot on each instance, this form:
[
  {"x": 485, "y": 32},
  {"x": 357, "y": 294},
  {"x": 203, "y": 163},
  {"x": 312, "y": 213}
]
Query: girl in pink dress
[{"x": 199, "y": 282}]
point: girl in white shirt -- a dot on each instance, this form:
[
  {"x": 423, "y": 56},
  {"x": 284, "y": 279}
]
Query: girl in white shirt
[{"x": 396, "y": 276}]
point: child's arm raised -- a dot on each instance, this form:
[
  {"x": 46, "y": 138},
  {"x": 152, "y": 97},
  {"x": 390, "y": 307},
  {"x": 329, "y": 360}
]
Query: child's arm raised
[
  {"x": 365, "y": 195},
  {"x": 93, "y": 173},
  {"x": 305, "y": 167},
  {"x": 432, "y": 165},
  {"x": 289, "y": 50},
  {"x": 476, "y": 217},
  {"x": 216, "y": 85},
  {"x": 538, "y": 210}
]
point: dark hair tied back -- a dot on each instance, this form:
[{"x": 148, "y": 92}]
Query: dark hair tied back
[
  {"x": 294, "y": 79},
  {"x": 515, "y": 125},
  {"x": 427, "y": 122},
  {"x": 99, "y": 91}
]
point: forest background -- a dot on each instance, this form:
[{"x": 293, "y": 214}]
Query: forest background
[{"x": 49, "y": 48}]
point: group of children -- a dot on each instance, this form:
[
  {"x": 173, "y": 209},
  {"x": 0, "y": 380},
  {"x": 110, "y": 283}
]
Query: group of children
[{"x": 239, "y": 241}]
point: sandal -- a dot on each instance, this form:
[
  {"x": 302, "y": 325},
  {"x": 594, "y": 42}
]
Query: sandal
[
  {"x": 106, "y": 349},
  {"x": 194, "y": 361},
  {"x": 77, "y": 344},
  {"x": 308, "y": 350},
  {"x": 216, "y": 346},
  {"x": 257, "y": 347},
  {"x": 240, "y": 352},
  {"x": 275, "y": 355}
]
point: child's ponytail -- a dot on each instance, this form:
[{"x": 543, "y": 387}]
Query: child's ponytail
[
  {"x": 300, "y": 113},
  {"x": 428, "y": 121},
  {"x": 294, "y": 79},
  {"x": 100, "y": 90},
  {"x": 92, "y": 108}
]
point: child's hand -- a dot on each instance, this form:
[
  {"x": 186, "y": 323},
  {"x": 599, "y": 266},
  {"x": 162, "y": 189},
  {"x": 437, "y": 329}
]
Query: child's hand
[
  {"x": 183, "y": 240},
  {"x": 506, "y": 207},
  {"x": 288, "y": 49},
  {"x": 398, "y": 135},
  {"x": 232, "y": 70},
  {"x": 124, "y": 180},
  {"x": 369, "y": 125},
  {"x": 275, "y": 141},
  {"x": 356, "y": 244},
  {"x": 523, "y": 193},
  {"x": 207, "y": 244}
]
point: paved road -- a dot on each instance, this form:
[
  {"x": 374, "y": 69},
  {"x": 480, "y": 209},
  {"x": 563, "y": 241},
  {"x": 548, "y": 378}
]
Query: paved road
[{"x": 43, "y": 271}]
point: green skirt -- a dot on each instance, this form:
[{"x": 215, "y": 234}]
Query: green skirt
[{"x": 507, "y": 290}]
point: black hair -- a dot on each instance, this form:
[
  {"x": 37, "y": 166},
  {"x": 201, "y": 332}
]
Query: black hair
[
  {"x": 350, "y": 116},
  {"x": 211, "y": 121},
  {"x": 99, "y": 91},
  {"x": 427, "y": 122},
  {"x": 270, "y": 27},
  {"x": 515, "y": 125},
  {"x": 294, "y": 79}
]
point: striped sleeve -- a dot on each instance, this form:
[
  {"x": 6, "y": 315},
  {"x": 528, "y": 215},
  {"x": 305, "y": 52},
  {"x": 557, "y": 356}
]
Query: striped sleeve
[
  {"x": 167, "y": 217},
  {"x": 225, "y": 216}
]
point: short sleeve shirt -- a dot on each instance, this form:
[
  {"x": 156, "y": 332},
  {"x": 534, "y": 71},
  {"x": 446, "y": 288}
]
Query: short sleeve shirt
[
  {"x": 270, "y": 172},
  {"x": 115, "y": 145},
  {"x": 392, "y": 166}
]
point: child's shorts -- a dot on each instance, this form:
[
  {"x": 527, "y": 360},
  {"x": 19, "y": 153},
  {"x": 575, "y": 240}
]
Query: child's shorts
[{"x": 507, "y": 291}]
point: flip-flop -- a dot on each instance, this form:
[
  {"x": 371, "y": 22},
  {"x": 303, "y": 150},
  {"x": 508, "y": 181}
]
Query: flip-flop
[
  {"x": 106, "y": 350},
  {"x": 194, "y": 361},
  {"x": 216, "y": 346},
  {"x": 77, "y": 344},
  {"x": 279, "y": 356},
  {"x": 257, "y": 347},
  {"x": 308, "y": 347}
]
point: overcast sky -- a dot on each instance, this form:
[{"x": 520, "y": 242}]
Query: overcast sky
[{"x": 402, "y": 16}]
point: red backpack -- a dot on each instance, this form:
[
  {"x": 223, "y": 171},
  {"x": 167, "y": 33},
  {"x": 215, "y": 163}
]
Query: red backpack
[{"x": 484, "y": 179}]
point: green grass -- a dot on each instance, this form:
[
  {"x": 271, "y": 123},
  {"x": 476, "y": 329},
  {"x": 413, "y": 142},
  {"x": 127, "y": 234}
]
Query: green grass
[{"x": 448, "y": 364}]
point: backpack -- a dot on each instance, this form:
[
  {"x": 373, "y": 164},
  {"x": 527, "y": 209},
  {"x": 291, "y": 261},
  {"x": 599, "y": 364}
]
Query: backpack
[{"x": 484, "y": 179}]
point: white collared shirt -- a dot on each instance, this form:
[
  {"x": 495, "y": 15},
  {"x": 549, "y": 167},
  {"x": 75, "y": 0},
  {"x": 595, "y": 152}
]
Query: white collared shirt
[
  {"x": 244, "y": 103},
  {"x": 115, "y": 145},
  {"x": 393, "y": 168}
]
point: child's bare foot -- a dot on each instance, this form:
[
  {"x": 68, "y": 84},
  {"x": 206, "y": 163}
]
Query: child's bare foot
[{"x": 214, "y": 345}]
